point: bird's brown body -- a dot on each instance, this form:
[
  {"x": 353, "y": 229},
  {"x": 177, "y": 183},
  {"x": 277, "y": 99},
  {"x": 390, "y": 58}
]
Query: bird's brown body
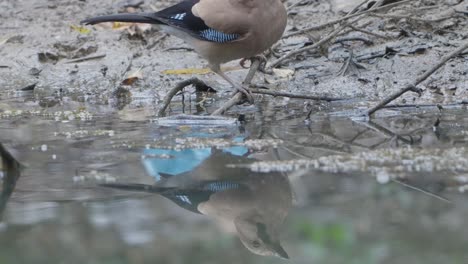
[
  {"x": 219, "y": 30},
  {"x": 260, "y": 23}
]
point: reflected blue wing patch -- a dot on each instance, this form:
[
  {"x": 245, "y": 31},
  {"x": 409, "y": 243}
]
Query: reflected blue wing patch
[
  {"x": 182, "y": 161},
  {"x": 221, "y": 186}
]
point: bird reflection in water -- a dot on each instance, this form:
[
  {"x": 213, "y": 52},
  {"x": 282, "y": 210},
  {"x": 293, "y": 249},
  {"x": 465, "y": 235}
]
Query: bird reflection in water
[{"x": 255, "y": 205}]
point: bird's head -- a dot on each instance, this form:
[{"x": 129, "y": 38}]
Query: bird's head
[{"x": 260, "y": 238}]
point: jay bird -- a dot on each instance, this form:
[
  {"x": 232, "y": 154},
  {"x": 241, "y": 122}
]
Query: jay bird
[
  {"x": 255, "y": 205},
  {"x": 219, "y": 30}
]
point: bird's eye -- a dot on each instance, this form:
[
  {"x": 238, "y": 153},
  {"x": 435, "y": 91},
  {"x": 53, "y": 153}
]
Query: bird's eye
[{"x": 256, "y": 244}]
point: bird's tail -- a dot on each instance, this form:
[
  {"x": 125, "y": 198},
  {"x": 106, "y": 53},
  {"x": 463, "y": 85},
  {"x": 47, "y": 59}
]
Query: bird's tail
[
  {"x": 124, "y": 17},
  {"x": 136, "y": 187}
]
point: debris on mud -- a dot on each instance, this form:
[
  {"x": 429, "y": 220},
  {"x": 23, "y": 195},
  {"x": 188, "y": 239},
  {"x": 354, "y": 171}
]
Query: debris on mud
[{"x": 401, "y": 40}]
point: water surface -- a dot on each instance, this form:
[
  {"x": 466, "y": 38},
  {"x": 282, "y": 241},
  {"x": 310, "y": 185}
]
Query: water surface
[{"x": 338, "y": 189}]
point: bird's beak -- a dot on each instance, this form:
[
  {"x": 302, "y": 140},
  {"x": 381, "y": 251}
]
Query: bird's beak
[{"x": 280, "y": 252}]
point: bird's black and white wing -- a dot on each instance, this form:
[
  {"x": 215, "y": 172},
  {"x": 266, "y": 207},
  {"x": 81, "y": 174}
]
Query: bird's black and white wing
[
  {"x": 191, "y": 198},
  {"x": 179, "y": 16},
  {"x": 182, "y": 17}
]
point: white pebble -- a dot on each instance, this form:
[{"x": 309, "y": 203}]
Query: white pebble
[
  {"x": 44, "y": 148},
  {"x": 383, "y": 177}
]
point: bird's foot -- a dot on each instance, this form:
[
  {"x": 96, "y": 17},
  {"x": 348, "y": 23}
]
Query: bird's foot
[
  {"x": 246, "y": 92},
  {"x": 242, "y": 63},
  {"x": 261, "y": 58}
]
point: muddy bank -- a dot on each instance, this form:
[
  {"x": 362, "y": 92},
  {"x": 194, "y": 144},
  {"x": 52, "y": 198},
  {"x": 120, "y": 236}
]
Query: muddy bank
[{"x": 43, "y": 44}]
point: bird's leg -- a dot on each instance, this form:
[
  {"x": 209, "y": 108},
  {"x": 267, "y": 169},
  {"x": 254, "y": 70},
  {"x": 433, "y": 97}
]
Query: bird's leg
[{"x": 239, "y": 87}]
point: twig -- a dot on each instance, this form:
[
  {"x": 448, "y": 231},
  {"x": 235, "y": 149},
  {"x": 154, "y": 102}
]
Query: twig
[
  {"x": 336, "y": 21},
  {"x": 94, "y": 57},
  {"x": 421, "y": 78},
  {"x": 237, "y": 98},
  {"x": 354, "y": 38},
  {"x": 422, "y": 191},
  {"x": 178, "y": 48},
  {"x": 411, "y": 17},
  {"x": 298, "y": 96},
  {"x": 416, "y": 106},
  {"x": 369, "y": 32},
  {"x": 461, "y": 11},
  {"x": 357, "y": 7},
  {"x": 294, "y": 5},
  {"x": 292, "y": 53},
  {"x": 307, "y": 48},
  {"x": 344, "y": 69},
  {"x": 181, "y": 85},
  {"x": 156, "y": 41},
  {"x": 385, "y": 131},
  {"x": 393, "y": 97}
]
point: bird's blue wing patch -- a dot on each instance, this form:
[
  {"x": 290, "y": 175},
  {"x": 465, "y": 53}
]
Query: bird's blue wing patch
[
  {"x": 184, "y": 198},
  {"x": 218, "y": 36},
  {"x": 181, "y": 17}
]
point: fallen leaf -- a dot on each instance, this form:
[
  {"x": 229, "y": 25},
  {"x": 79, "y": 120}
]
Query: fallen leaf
[
  {"x": 143, "y": 26},
  {"x": 121, "y": 25},
  {"x": 80, "y": 29},
  {"x": 130, "y": 81},
  {"x": 200, "y": 71},
  {"x": 187, "y": 71},
  {"x": 29, "y": 87},
  {"x": 279, "y": 75},
  {"x": 133, "y": 77},
  {"x": 185, "y": 128},
  {"x": 4, "y": 40},
  {"x": 283, "y": 73}
]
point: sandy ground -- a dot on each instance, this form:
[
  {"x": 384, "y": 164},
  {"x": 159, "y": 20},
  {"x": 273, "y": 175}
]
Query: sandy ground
[{"x": 38, "y": 41}]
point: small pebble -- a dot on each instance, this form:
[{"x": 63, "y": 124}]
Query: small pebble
[
  {"x": 44, "y": 148},
  {"x": 383, "y": 177}
]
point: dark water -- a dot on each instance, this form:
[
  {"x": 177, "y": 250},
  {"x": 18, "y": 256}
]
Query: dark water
[{"x": 386, "y": 191}]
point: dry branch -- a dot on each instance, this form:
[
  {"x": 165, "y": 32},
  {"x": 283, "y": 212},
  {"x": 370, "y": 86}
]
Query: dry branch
[
  {"x": 339, "y": 20},
  {"x": 411, "y": 17},
  {"x": 297, "y": 96},
  {"x": 238, "y": 97},
  {"x": 179, "y": 87},
  {"x": 93, "y": 57},
  {"x": 421, "y": 78},
  {"x": 308, "y": 48}
]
